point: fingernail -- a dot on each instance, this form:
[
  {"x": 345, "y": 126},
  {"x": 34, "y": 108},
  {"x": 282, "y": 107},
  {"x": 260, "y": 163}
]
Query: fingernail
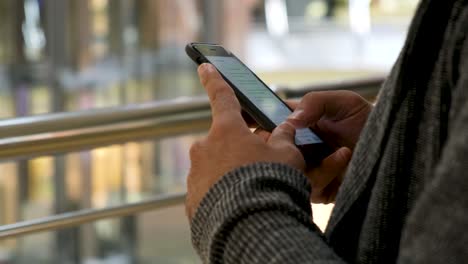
[
  {"x": 207, "y": 68},
  {"x": 297, "y": 114},
  {"x": 297, "y": 119},
  {"x": 287, "y": 125}
]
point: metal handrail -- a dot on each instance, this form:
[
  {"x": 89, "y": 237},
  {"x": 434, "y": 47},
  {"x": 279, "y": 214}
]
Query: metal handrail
[
  {"x": 77, "y": 218},
  {"x": 48, "y": 123},
  {"x": 366, "y": 87},
  {"x": 56, "y": 133},
  {"x": 34, "y": 136},
  {"x": 73, "y": 132},
  {"x": 87, "y": 138}
]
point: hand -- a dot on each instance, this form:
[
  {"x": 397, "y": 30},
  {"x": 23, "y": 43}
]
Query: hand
[
  {"x": 338, "y": 117},
  {"x": 230, "y": 143}
]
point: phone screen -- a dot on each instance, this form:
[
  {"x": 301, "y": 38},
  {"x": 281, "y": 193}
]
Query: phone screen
[{"x": 259, "y": 94}]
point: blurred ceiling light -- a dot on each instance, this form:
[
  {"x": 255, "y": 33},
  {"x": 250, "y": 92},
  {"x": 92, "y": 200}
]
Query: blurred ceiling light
[
  {"x": 359, "y": 16},
  {"x": 276, "y": 15}
]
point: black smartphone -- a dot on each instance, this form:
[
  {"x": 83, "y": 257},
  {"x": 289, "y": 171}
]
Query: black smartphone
[{"x": 256, "y": 98}]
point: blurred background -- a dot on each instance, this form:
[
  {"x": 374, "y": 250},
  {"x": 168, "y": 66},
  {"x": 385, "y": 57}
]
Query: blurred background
[{"x": 83, "y": 56}]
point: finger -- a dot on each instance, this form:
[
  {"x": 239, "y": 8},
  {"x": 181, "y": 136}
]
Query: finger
[
  {"x": 316, "y": 105},
  {"x": 223, "y": 101},
  {"x": 292, "y": 103},
  {"x": 331, "y": 168},
  {"x": 328, "y": 194},
  {"x": 327, "y": 179},
  {"x": 263, "y": 134},
  {"x": 283, "y": 133}
]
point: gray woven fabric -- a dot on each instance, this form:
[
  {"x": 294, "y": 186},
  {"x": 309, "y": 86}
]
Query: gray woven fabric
[{"x": 405, "y": 196}]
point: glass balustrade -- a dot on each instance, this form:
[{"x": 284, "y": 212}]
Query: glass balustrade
[
  {"x": 99, "y": 178},
  {"x": 153, "y": 237}
]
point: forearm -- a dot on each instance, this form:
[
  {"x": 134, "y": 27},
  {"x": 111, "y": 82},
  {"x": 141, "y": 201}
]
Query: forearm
[{"x": 259, "y": 213}]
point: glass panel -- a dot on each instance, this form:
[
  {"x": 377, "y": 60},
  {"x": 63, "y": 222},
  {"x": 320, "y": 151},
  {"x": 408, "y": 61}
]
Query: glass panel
[
  {"x": 154, "y": 237},
  {"x": 98, "y": 178}
]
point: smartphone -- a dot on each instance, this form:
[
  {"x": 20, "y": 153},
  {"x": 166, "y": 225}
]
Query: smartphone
[{"x": 256, "y": 98}]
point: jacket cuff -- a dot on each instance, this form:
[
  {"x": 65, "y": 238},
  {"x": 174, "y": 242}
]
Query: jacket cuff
[{"x": 244, "y": 191}]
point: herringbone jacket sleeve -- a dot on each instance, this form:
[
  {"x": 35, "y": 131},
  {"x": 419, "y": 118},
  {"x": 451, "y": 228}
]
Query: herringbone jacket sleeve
[{"x": 259, "y": 214}]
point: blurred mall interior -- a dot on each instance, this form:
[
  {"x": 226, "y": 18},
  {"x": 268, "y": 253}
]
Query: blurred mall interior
[{"x": 99, "y": 105}]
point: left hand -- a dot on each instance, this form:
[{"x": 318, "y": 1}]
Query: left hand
[{"x": 230, "y": 143}]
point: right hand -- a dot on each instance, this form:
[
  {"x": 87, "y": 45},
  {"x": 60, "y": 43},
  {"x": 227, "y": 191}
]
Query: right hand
[{"x": 338, "y": 117}]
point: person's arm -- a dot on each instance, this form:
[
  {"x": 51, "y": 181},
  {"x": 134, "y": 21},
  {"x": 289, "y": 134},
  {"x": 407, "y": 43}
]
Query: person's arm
[
  {"x": 436, "y": 228},
  {"x": 259, "y": 213}
]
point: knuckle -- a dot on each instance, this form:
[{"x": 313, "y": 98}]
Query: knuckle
[
  {"x": 195, "y": 149},
  {"x": 284, "y": 132},
  {"x": 313, "y": 97},
  {"x": 216, "y": 135},
  {"x": 219, "y": 86},
  {"x": 288, "y": 129},
  {"x": 290, "y": 148},
  {"x": 310, "y": 96},
  {"x": 223, "y": 124},
  {"x": 224, "y": 96},
  {"x": 308, "y": 100},
  {"x": 262, "y": 133},
  {"x": 286, "y": 148}
]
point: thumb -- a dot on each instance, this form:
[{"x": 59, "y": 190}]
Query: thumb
[
  {"x": 331, "y": 167},
  {"x": 223, "y": 100},
  {"x": 338, "y": 159}
]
